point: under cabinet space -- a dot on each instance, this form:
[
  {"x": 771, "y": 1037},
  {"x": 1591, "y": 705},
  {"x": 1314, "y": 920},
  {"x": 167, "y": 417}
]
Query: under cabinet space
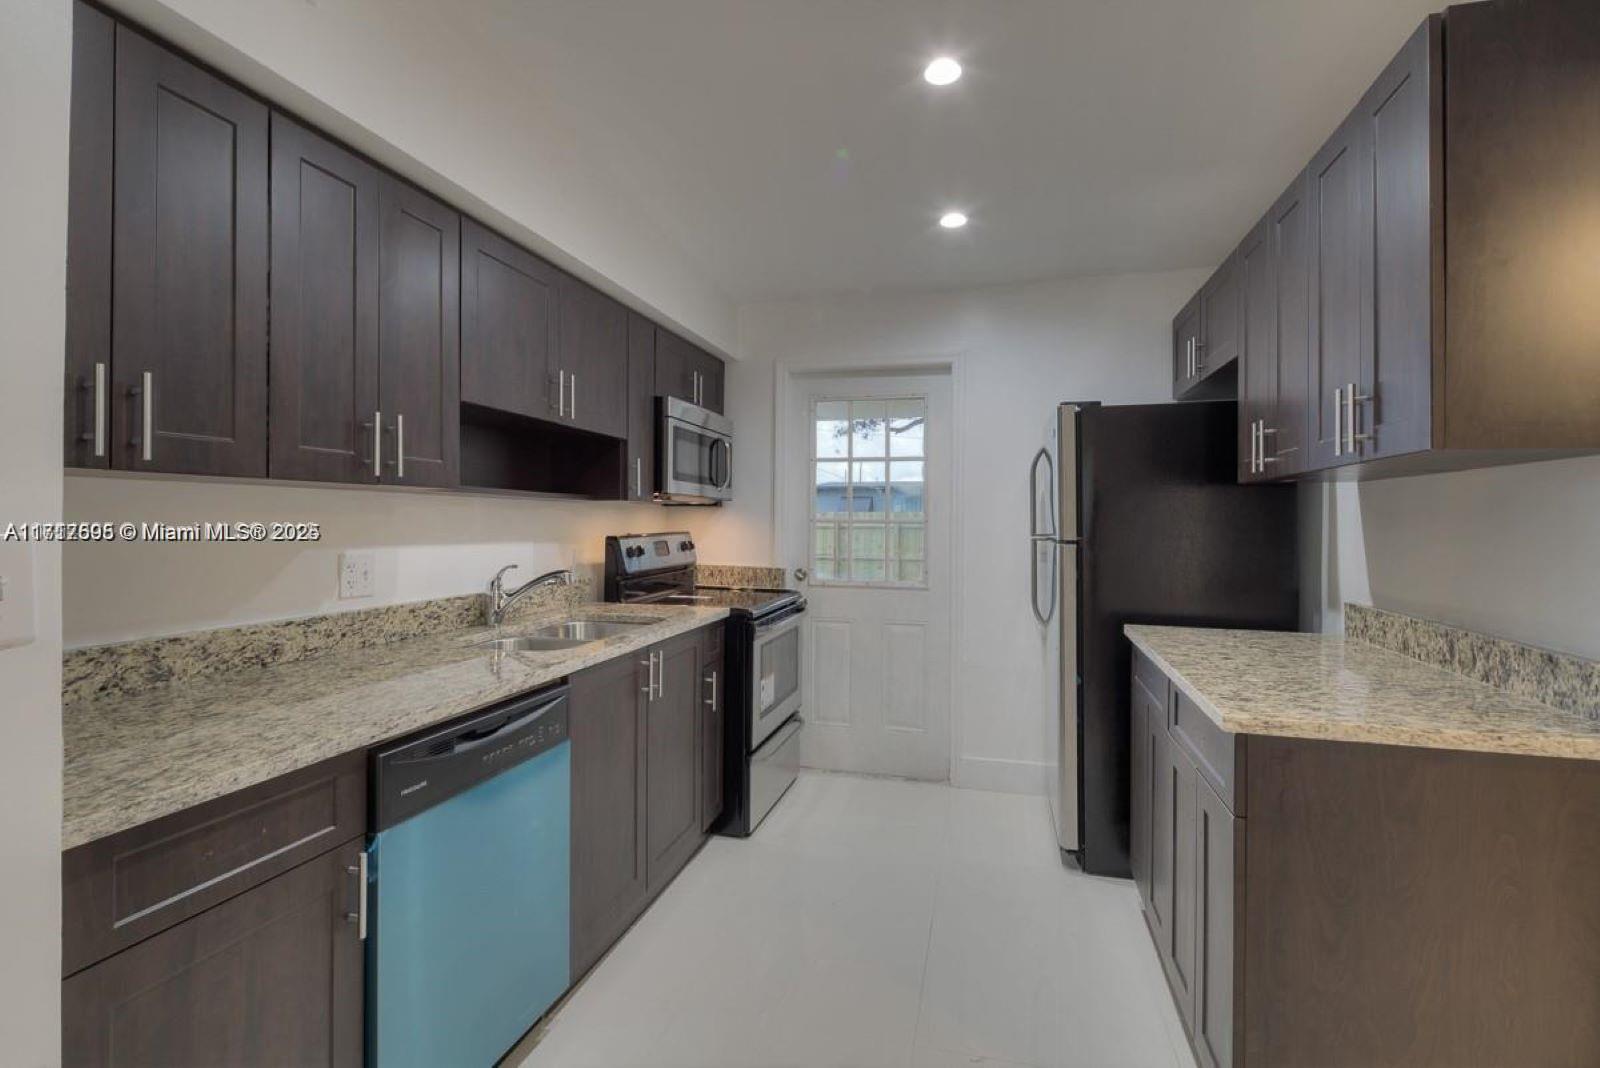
[{"x": 507, "y": 452}]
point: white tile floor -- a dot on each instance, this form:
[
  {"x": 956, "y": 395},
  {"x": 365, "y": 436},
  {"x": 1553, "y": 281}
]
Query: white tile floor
[{"x": 878, "y": 922}]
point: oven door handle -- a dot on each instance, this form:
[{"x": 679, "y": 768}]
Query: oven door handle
[{"x": 766, "y": 632}]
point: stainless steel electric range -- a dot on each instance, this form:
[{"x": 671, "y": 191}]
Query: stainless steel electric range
[{"x": 761, "y": 748}]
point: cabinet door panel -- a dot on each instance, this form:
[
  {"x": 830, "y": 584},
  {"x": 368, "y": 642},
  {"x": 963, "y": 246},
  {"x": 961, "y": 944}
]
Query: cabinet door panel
[
  {"x": 420, "y": 330},
  {"x": 712, "y": 372},
  {"x": 594, "y": 354},
  {"x": 1340, "y": 209},
  {"x": 1286, "y": 447},
  {"x": 711, "y": 729},
  {"x": 676, "y": 364},
  {"x": 1402, "y": 132},
  {"x": 1217, "y": 846},
  {"x": 89, "y": 225},
  {"x": 508, "y": 325},
  {"x": 1185, "y": 346},
  {"x": 673, "y": 780},
  {"x": 608, "y": 807},
  {"x": 273, "y": 976},
  {"x": 641, "y": 473},
  {"x": 1140, "y": 780},
  {"x": 324, "y": 308},
  {"x": 1163, "y": 853},
  {"x": 1183, "y": 913},
  {"x": 189, "y": 267},
  {"x": 1258, "y": 349},
  {"x": 1219, "y": 315}
]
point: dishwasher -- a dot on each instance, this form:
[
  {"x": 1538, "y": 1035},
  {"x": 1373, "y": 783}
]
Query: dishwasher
[{"x": 469, "y": 896}]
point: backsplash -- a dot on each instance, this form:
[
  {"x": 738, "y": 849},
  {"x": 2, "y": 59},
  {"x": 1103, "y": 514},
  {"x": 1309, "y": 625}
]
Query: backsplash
[
  {"x": 135, "y": 666},
  {"x": 765, "y": 578},
  {"x": 1558, "y": 679}
]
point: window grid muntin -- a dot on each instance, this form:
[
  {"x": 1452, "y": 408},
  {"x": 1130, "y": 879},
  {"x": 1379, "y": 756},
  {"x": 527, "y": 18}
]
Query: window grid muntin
[{"x": 898, "y": 527}]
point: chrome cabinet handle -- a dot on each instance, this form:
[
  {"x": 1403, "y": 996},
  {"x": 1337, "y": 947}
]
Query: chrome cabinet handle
[
  {"x": 661, "y": 674},
  {"x": 359, "y": 917},
  {"x": 649, "y": 688},
  {"x": 1351, "y": 399},
  {"x": 572, "y": 407},
  {"x": 99, "y": 409},
  {"x": 1255, "y": 445},
  {"x": 561, "y": 393},
  {"x": 146, "y": 392},
  {"x": 638, "y": 476},
  {"x": 1265, "y": 459},
  {"x": 400, "y": 446},
  {"x": 377, "y": 443},
  {"x": 711, "y": 702},
  {"x": 1338, "y": 421}
]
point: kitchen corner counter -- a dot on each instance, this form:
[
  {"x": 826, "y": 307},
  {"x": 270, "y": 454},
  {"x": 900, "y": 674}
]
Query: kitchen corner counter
[
  {"x": 136, "y": 757},
  {"x": 1314, "y": 686}
]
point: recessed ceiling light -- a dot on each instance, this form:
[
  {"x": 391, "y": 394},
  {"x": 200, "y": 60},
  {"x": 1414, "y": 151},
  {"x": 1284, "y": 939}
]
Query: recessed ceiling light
[
  {"x": 953, "y": 220},
  {"x": 942, "y": 71}
]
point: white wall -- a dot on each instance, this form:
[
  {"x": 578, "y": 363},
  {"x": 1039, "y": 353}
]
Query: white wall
[
  {"x": 425, "y": 545},
  {"x": 1018, "y": 350},
  {"x": 441, "y": 94},
  {"x": 1509, "y": 551},
  {"x": 35, "y": 62}
]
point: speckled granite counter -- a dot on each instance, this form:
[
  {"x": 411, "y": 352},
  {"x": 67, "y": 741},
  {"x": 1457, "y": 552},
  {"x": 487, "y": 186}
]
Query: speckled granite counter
[
  {"x": 1314, "y": 686},
  {"x": 131, "y": 758}
]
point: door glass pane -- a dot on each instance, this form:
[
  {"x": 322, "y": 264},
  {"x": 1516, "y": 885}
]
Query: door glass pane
[
  {"x": 833, "y": 488},
  {"x": 870, "y": 494},
  {"x": 833, "y": 429}
]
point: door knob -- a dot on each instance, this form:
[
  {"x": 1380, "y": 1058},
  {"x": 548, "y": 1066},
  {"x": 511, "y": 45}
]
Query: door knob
[{"x": 801, "y": 574}]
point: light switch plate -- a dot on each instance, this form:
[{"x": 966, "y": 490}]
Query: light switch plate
[
  {"x": 355, "y": 575},
  {"x": 17, "y": 624}
]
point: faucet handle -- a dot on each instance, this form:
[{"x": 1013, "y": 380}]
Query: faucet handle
[{"x": 494, "y": 583}]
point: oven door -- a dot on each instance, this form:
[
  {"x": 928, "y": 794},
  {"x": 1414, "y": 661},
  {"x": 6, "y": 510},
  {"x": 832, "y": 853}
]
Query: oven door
[
  {"x": 696, "y": 454},
  {"x": 775, "y": 676}
]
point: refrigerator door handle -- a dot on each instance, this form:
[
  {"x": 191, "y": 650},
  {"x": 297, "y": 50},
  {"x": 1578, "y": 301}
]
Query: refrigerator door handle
[
  {"x": 1042, "y": 456},
  {"x": 1048, "y": 614}
]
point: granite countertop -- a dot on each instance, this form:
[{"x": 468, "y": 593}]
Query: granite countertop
[
  {"x": 131, "y": 758},
  {"x": 1316, "y": 686}
]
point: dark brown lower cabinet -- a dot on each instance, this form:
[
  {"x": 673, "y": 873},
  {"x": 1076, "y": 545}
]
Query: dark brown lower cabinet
[
  {"x": 1141, "y": 778},
  {"x": 672, "y": 822},
  {"x": 1372, "y": 905},
  {"x": 273, "y": 976},
  {"x": 608, "y": 806},
  {"x": 712, "y": 697}
]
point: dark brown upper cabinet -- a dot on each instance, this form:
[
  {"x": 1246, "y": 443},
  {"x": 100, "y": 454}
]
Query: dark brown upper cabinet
[
  {"x": 1340, "y": 214},
  {"x": 1274, "y": 333},
  {"x": 641, "y": 469},
  {"x": 1206, "y": 338},
  {"x": 189, "y": 270},
  {"x": 592, "y": 365},
  {"x": 325, "y": 301},
  {"x": 508, "y": 325},
  {"x": 688, "y": 372},
  {"x": 419, "y": 337},
  {"x": 88, "y": 342}
]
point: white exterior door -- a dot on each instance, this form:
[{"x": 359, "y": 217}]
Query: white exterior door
[{"x": 865, "y": 473}]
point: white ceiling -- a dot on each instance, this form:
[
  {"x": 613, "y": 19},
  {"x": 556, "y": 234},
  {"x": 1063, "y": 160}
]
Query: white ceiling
[{"x": 793, "y": 149}]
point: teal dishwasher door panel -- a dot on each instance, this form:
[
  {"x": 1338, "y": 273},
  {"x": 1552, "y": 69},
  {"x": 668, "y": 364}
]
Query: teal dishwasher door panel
[{"x": 471, "y": 919}]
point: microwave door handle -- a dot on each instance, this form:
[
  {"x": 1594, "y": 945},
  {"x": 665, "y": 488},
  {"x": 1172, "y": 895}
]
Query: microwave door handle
[{"x": 727, "y": 445}]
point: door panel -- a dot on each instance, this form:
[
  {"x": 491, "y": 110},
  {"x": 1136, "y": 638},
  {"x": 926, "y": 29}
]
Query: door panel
[
  {"x": 1219, "y": 313},
  {"x": 1402, "y": 132},
  {"x": 1340, "y": 208},
  {"x": 189, "y": 269},
  {"x": 1181, "y": 930},
  {"x": 1258, "y": 351},
  {"x": 712, "y": 371},
  {"x": 508, "y": 325},
  {"x": 1287, "y": 450},
  {"x": 420, "y": 332},
  {"x": 641, "y": 473},
  {"x": 1141, "y": 779},
  {"x": 676, "y": 363},
  {"x": 608, "y": 807},
  {"x": 673, "y": 762},
  {"x": 870, "y": 644},
  {"x": 88, "y": 385},
  {"x": 324, "y": 308},
  {"x": 273, "y": 976},
  {"x": 713, "y": 681},
  {"x": 1185, "y": 346},
  {"x": 594, "y": 354},
  {"x": 1163, "y": 841},
  {"x": 1219, "y": 835}
]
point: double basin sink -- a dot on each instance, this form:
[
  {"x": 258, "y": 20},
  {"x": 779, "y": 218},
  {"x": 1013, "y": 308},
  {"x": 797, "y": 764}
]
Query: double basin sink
[{"x": 568, "y": 634}]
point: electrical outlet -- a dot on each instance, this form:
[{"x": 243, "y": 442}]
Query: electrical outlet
[{"x": 355, "y": 575}]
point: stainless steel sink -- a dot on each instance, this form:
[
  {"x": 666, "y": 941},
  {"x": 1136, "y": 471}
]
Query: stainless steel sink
[
  {"x": 586, "y": 630},
  {"x": 568, "y": 634},
  {"x": 531, "y": 644}
]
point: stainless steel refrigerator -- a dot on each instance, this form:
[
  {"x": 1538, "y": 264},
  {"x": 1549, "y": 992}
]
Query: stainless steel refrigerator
[{"x": 1137, "y": 516}]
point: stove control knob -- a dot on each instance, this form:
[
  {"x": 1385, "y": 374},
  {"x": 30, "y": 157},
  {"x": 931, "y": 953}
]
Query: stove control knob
[{"x": 685, "y": 546}]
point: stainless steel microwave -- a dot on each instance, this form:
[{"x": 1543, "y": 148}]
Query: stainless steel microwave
[{"x": 694, "y": 454}]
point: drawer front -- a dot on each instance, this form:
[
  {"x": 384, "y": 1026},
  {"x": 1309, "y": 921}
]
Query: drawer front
[
  {"x": 129, "y": 886},
  {"x": 1212, "y": 749},
  {"x": 1150, "y": 676}
]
